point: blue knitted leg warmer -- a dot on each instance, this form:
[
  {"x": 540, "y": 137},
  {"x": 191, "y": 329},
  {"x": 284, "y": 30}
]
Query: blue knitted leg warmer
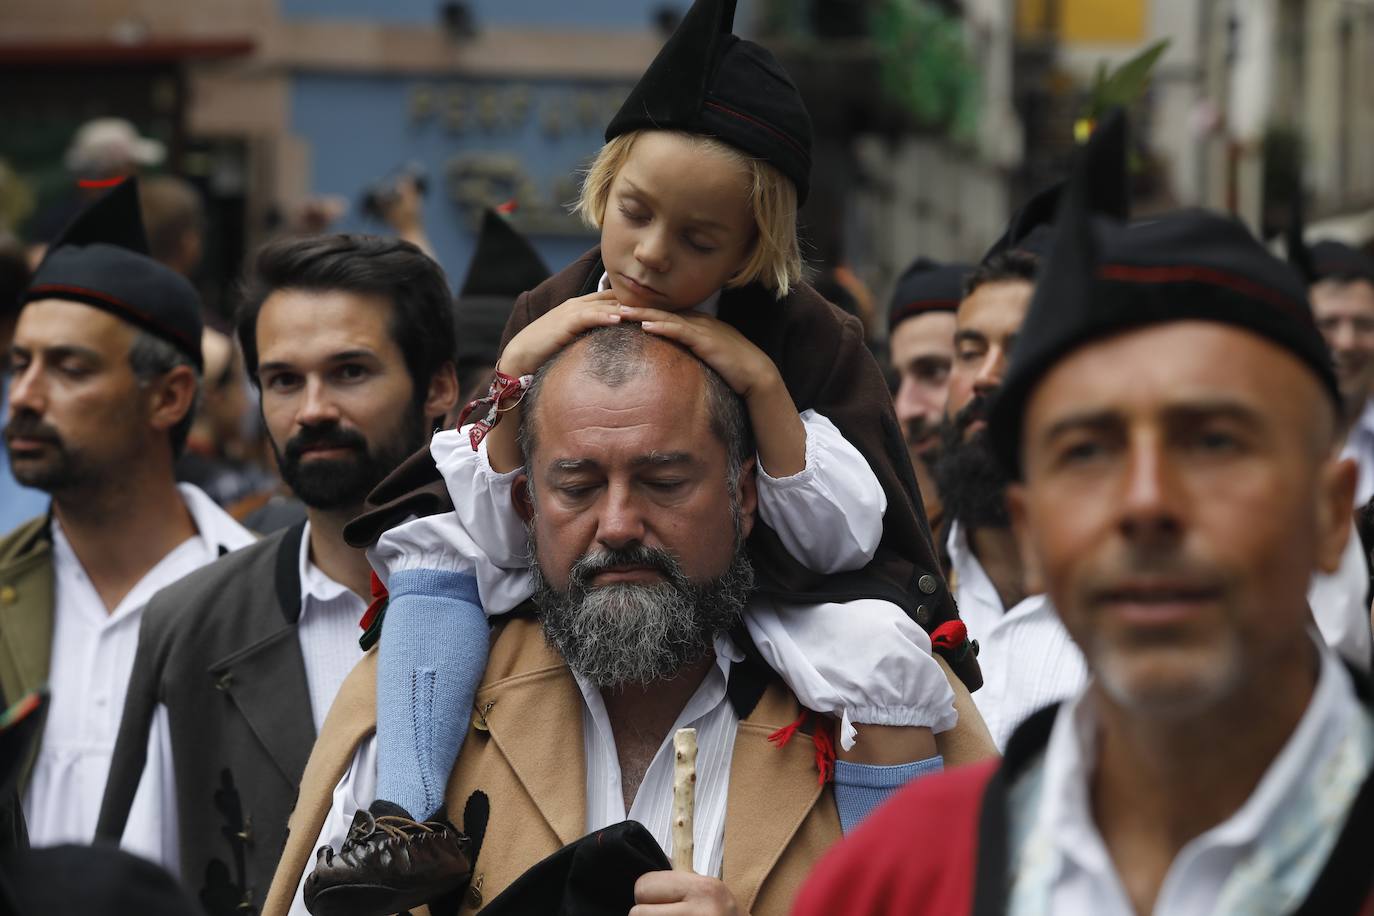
[{"x": 432, "y": 653}]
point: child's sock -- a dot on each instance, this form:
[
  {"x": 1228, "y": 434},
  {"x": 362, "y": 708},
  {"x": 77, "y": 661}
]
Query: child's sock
[
  {"x": 860, "y": 787},
  {"x": 432, "y": 653}
]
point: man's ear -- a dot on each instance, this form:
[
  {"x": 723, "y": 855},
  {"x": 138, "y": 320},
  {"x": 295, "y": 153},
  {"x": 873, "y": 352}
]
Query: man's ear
[
  {"x": 442, "y": 396},
  {"x": 521, "y": 498},
  {"x": 171, "y": 398},
  {"x": 1025, "y": 543},
  {"x": 747, "y": 492},
  {"x": 1334, "y": 514}
]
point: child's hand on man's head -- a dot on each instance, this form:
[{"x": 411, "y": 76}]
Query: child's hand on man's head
[
  {"x": 745, "y": 368},
  {"x": 555, "y": 329}
]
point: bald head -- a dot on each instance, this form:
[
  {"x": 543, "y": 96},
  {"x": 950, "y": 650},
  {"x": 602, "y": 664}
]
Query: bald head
[{"x": 622, "y": 356}]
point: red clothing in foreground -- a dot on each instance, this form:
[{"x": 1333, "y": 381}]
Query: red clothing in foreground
[{"x": 915, "y": 855}]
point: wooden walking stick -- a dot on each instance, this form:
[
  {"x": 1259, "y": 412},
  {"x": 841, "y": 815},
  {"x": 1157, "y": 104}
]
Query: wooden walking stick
[{"x": 684, "y": 796}]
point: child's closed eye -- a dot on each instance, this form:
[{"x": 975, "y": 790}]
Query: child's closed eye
[{"x": 634, "y": 216}]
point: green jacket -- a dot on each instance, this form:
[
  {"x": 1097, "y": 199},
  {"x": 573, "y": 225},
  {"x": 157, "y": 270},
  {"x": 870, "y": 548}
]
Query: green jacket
[
  {"x": 26, "y": 615},
  {"x": 26, "y": 608}
]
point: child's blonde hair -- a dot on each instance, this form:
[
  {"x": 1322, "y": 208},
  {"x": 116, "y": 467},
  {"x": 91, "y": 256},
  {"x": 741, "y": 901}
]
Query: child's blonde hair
[{"x": 775, "y": 259}]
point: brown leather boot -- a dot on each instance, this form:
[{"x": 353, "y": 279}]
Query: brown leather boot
[{"x": 388, "y": 864}]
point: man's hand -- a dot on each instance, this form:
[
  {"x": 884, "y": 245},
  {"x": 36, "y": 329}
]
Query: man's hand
[
  {"x": 403, "y": 210},
  {"x": 681, "y": 893}
]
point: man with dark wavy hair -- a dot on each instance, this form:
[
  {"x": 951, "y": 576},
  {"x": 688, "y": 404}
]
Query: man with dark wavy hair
[{"x": 350, "y": 341}]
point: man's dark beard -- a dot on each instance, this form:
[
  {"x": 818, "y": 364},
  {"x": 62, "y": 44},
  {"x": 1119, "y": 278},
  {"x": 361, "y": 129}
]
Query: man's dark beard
[
  {"x": 62, "y": 471},
  {"x": 971, "y": 481},
  {"x": 340, "y": 483},
  {"x": 627, "y": 633}
]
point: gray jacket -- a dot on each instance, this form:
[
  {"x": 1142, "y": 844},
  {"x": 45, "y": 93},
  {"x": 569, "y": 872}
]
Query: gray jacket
[{"x": 220, "y": 650}]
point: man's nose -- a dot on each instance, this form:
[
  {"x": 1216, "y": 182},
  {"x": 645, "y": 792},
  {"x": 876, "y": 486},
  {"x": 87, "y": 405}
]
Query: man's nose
[
  {"x": 1150, "y": 492},
  {"x": 1340, "y": 335},
  {"x": 908, "y": 401},
  {"x": 620, "y": 523},
  {"x": 991, "y": 370},
  {"x": 27, "y": 392},
  {"x": 318, "y": 405}
]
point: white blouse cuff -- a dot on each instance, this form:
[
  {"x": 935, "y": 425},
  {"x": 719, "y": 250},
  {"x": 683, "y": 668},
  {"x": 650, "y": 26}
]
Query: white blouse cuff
[
  {"x": 939, "y": 716},
  {"x": 803, "y": 478},
  {"x": 452, "y": 449},
  {"x": 432, "y": 542}
]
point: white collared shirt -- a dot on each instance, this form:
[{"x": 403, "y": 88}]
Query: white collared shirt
[
  {"x": 1027, "y": 657},
  {"x": 708, "y": 711},
  {"x": 1261, "y": 860},
  {"x": 92, "y": 658},
  {"x": 1360, "y": 446},
  {"x": 328, "y": 632},
  {"x": 1340, "y": 605}
]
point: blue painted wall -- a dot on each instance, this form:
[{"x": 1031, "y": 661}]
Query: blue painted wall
[
  {"x": 361, "y": 128},
  {"x": 573, "y": 14},
  {"x": 568, "y": 14}
]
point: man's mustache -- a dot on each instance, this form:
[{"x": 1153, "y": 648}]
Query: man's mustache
[
  {"x": 970, "y": 413},
  {"x": 323, "y": 438},
  {"x": 591, "y": 565},
  {"x": 919, "y": 430},
  {"x": 29, "y": 426}
]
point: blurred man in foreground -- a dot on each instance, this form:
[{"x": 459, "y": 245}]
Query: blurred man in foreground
[{"x": 1178, "y": 483}]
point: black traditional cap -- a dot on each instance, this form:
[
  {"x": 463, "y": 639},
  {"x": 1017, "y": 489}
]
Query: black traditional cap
[
  {"x": 102, "y": 260},
  {"x": 593, "y": 876},
  {"x": 927, "y": 286},
  {"x": 1031, "y": 228},
  {"x": 707, "y": 80},
  {"x": 1337, "y": 260},
  {"x": 1104, "y": 276},
  {"x": 1326, "y": 259},
  {"x": 1341, "y": 261},
  {"x": 504, "y": 265}
]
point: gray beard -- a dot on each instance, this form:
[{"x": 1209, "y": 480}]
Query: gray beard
[{"x": 622, "y": 634}]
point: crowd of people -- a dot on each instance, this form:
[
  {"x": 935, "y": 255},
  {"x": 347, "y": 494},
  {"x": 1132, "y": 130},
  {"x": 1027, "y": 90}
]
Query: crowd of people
[{"x": 1071, "y": 616}]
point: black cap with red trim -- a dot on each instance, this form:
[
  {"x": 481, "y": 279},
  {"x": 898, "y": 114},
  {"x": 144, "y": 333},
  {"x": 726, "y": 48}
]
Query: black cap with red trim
[
  {"x": 1104, "y": 276},
  {"x": 927, "y": 286},
  {"x": 706, "y": 80},
  {"x": 102, "y": 260}
]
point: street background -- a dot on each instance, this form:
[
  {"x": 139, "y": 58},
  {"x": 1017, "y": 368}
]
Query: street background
[{"x": 934, "y": 119}]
